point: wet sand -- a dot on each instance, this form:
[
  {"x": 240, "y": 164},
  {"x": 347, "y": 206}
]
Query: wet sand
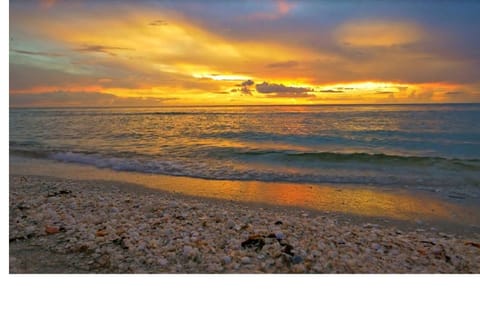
[{"x": 392, "y": 203}]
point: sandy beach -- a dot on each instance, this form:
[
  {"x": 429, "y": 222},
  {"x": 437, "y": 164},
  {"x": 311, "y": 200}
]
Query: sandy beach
[{"x": 80, "y": 226}]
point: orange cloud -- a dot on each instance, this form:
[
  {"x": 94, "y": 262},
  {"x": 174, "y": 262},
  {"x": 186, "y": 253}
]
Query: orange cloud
[
  {"x": 378, "y": 33},
  {"x": 282, "y": 8},
  {"x": 47, "y": 3},
  {"x": 129, "y": 58},
  {"x": 55, "y": 88}
]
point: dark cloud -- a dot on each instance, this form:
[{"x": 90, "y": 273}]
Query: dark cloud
[
  {"x": 158, "y": 22},
  {"x": 25, "y": 77},
  {"x": 246, "y": 91},
  {"x": 248, "y": 83},
  {"x": 36, "y": 53},
  {"x": 291, "y": 95},
  {"x": 384, "y": 92},
  {"x": 454, "y": 93},
  {"x": 267, "y": 88},
  {"x": 331, "y": 91},
  {"x": 112, "y": 75},
  {"x": 101, "y": 49},
  {"x": 287, "y": 64},
  {"x": 244, "y": 87},
  {"x": 65, "y": 98},
  {"x": 59, "y": 97}
]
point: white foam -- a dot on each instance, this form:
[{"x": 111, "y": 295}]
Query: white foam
[
  {"x": 114, "y": 163},
  {"x": 227, "y": 171}
]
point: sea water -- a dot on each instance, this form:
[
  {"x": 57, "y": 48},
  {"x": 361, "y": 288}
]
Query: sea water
[{"x": 432, "y": 146}]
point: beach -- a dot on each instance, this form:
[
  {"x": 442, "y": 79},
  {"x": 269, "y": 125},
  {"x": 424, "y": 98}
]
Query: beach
[
  {"x": 61, "y": 225},
  {"x": 229, "y": 154},
  {"x": 281, "y": 189}
]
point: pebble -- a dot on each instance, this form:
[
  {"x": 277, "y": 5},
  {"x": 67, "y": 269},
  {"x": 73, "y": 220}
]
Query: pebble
[
  {"x": 29, "y": 230},
  {"x": 212, "y": 268},
  {"x": 101, "y": 233},
  {"x": 445, "y": 235},
  {"x": 297, "y": 259},
  {"x": 437, "y": 250},
  {"x": 231, "y": 224},
  {"x": 51, "y": 229},
  {"x": 187, "y": 250},
  {"x": 298, "y": 268},
  {"x": 153, "y": 244},
  {"x": 109, "y": 234}
]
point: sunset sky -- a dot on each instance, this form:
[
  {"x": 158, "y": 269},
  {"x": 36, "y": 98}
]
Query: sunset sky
[{"x": 96, "y": 53}]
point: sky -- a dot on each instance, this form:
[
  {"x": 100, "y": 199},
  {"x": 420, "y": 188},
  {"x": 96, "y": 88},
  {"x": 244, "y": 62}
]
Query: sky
[{"x": 143, "y": 53}]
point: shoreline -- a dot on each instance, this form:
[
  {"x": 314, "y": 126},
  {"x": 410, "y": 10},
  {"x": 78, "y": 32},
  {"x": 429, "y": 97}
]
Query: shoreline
[
  {"x": 80, "y": 226},
  {"x": 394, "y": 203},
  {"x": 137, "y": 189}
]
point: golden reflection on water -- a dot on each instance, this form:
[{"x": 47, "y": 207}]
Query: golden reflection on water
[{"x": 363, "y": 201}]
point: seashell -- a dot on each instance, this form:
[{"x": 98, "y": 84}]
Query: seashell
[
  {"x": 51, "y": 229},
  {"x": 101, "y": 232}
]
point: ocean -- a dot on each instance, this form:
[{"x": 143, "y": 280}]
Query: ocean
[{"x": 429, "y": 146}]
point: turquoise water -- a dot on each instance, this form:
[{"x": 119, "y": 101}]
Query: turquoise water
[{"x": 428, "y": 145}]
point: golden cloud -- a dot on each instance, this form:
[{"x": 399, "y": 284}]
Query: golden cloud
[{"x": 378, "y": 33}]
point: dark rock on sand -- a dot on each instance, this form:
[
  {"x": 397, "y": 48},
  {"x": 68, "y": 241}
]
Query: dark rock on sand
[
  {"x": 59, "y": 193},
  {"x": 254, "y": 241},
  {"x": 297, "y": 259},
  {"x": 288, "y": 249}
]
